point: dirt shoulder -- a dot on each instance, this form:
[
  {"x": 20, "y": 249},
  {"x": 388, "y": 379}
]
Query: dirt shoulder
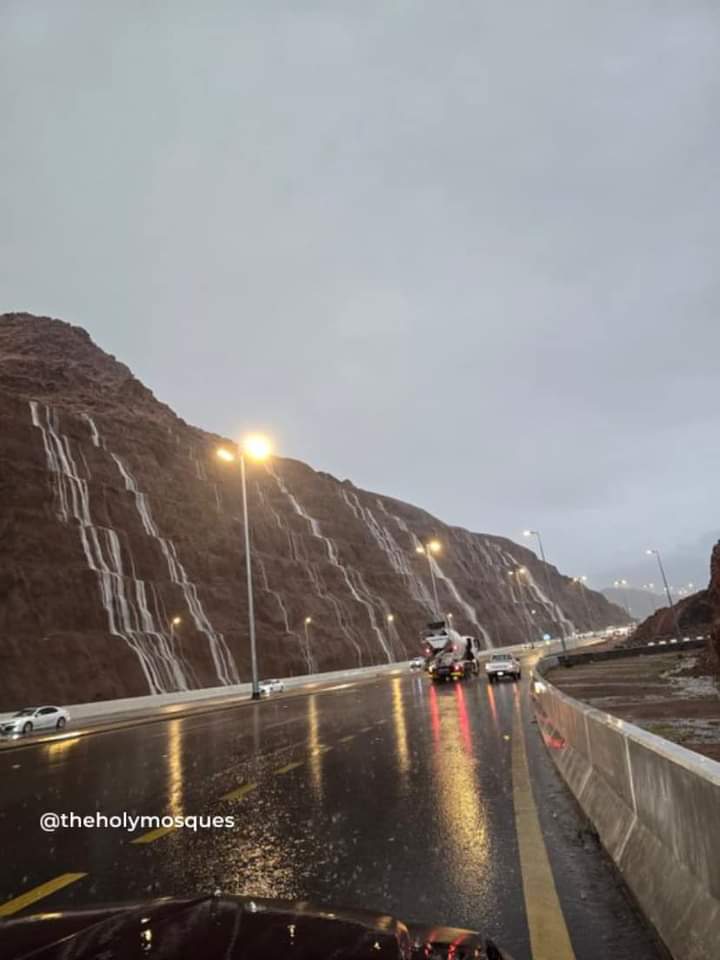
[{"x": 667, "y": 694}]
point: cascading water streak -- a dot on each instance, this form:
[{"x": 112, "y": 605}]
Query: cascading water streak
[
  {"x": 397, "y": 557},
  {"x": 353, "y": 578},
  {"x": 332, "y": 557},
  {"x": 128, "y": 614},
  {"x": 469, "y": 611},
  {"x": 223, "y": 662},
  {"x": 304, "y": 645}
]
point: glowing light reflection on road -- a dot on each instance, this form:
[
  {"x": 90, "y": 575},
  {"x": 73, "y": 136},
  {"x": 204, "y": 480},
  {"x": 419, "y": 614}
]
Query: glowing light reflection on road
[
  {"x": 493, "y": 706},
  {"x": 401, "y": 740},
  {"x": 464, "y": 719},
  {"x": 315, "y": 759},
  {"x": 175, "y": 769},
  {"x": 461, "y": 804}
]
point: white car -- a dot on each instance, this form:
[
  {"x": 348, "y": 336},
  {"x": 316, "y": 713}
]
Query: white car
[
  {"x": 271, "y": 686},
  {"x": 501, "y": 665},
  {"x": 417, "y": 663},
  {"x": 30, "y": 719}
]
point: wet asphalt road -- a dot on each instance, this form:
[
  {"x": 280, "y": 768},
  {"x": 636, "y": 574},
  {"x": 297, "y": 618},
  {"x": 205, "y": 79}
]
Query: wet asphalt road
[{"x": 390, "y": 795}]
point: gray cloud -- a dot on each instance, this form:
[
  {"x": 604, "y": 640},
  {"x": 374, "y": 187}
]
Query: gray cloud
[{"x": 465, "y": 254}]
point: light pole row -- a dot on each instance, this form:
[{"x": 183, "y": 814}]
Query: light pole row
[{"x": 258, "y": 449}]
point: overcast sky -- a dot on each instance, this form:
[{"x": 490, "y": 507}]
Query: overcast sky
[{"x": 465, "y": 254}]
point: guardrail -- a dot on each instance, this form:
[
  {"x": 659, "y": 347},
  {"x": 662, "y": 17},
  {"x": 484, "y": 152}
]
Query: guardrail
[
  {"x": 655, "y": 806},
  {"x": 624, "y": 653}
]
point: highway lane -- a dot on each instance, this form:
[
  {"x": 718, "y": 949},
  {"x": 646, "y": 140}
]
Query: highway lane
[{"x": 391, "y": 795}]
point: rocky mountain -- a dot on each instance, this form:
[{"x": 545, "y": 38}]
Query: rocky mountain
[{"x": 121, "y": 560}]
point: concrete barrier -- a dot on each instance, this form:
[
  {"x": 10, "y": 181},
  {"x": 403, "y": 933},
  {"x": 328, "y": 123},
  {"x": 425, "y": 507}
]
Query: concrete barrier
[
  {"x": 656, "y": 808},
  {"x": 215, "y": 695}
]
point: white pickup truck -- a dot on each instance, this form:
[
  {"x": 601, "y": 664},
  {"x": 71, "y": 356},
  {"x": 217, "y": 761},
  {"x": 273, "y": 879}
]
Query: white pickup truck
[{"x": 501, "y": 665}]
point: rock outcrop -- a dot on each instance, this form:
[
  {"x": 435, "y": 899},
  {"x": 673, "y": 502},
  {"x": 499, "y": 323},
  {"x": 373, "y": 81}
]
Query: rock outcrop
[{"x": 117, "y": 519}]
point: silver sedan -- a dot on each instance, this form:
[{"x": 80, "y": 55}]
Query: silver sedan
[{"x": 30, "y": 719}]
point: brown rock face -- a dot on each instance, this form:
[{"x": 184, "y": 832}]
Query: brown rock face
[
  {"x": 116, "y": 518},
  {"x": 713, "y": 592}
]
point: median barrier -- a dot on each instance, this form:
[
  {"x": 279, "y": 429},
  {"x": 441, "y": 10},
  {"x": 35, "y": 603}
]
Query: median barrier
[
  {"x": 655, "y": 806},
  {"x": 213, "y": 695}
]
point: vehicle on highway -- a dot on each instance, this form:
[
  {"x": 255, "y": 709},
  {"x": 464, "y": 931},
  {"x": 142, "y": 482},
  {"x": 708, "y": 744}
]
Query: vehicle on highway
[
  {"x": 271, "y": 686},
  {"x": 502, "y": 665},
  {"x": 30, "y": 719},
  {"x": 417, "y": 663},
  {"x": 232, "y": 928},
  {"x": 450, "y": 655},
  {"x": 445, "y": 666}
]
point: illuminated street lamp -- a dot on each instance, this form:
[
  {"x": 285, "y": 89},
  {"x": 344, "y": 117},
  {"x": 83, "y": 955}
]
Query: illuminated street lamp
[
  {"x": 306, "y": 624},
  {"x": 656, "y": 554},
  {"x": 551, "y": 595},
  {"x": 175, "y": 622},
  {"x": 433, "y": 546},
  {"x": 254, "y": 447}
]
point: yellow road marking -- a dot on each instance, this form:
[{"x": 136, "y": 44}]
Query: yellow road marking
[
  {"x": 240, "y": 792},
  {"x": 350, "y": 736},
  {"x": 154, "y": 835},
  {"x": 549, "y": 937},
  {"x": 289, "y": 766},
  {"x": 37, "y": 893}
]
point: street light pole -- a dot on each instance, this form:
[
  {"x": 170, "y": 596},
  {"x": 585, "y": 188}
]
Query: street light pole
[
  {"x": 434, "y": 586},
  {"x": 258, "y": 448},
  {"x": 551, "y": 593},
  {"x": 667, "y": 589},
  {"x": 390, "y": 618},
  {"x": 248, "y": 567}
]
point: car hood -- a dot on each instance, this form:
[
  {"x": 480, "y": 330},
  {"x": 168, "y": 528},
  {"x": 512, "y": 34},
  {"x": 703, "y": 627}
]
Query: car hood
[{"x": 231, "y": 928}]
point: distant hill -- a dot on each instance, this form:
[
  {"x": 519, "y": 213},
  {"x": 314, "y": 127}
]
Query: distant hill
[{"x": 639, "y": 603}]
